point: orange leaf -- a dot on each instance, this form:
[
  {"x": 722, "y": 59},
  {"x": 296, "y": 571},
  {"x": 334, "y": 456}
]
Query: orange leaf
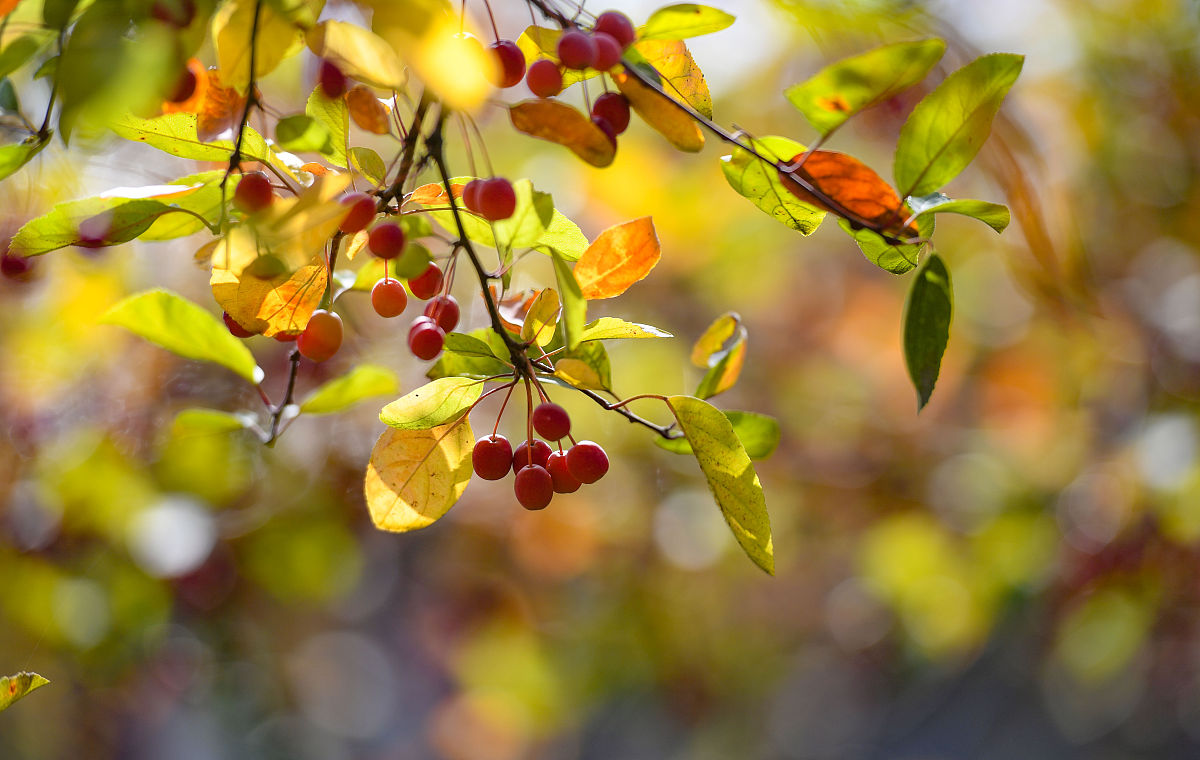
[
  {"x": 315, "y": 169},
  {"x": 193, "y": 103},
  {"x": 619, "y": 257},
  {"x": 220, "y": 109},
  {"x": 852, "y": 185},
  {"x": 7, "y": 6},
  {"x": 514, "y": 307},
  {"x": 270, "y": 305},
  {"x": 562, "y": 124},
  {"x": 661, "y": 113},
  {"x": 367, "y": 111},
  {"x": 434, "y": 194}
]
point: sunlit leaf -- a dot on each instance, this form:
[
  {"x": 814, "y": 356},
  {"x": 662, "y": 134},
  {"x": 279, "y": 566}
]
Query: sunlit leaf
[
  {"x": 426, "y": 37},
  {"x": 470, "y": 345},
  {"x": 758, "y": 181},
  {"x": 610, "y": 328},
  {"x": 950, "y": 124},
  {"x": 574, "y": 312},
  {"x": 180, "y": 326},
  {"x": 369, "y": 164},
  {"x": 16, "y": 155},
  {"x": 541, "y": 42},
  {"x": 334, "y": 115},
  {"x": 927, "y": 315},
  {"x": 560, "y": 123},
  {"x": 677, "y": 22},
  {"x": 721, "y": 350},
  {"x": 7, "y": 6},
  {"x": 587, "y": 366},
  {"x": 542, "y": 318},
  {"x": 619, "y": 257},
  {"x": 359, "y": 53},
  {"x": 842, "y": 89},
  {"x": 676, "y": 71},
  {"x": 471, "y": 362},
  {"x": 758, "y": 433},
  {"x": 275, "y": 38},
  {"x": 176, "y": 134},
  {"x": 436, "y": 403},
  {"x": 360, "y": 383},
  {"x": 717, "y": 337},
  {"x": 220, "y": 110},
  {"x": 18, "y": 685},
  {"x": 415, "y": 476},
  {"x": 724, "y": 373},
  {"x": 367, "y": 112},
  {"x": 994, "y": 215},
  {"x": 527, "y": 226},
  {"x": 730, "y": 475},
  {"x": 660, "y": 112},
  {"x": 889, "y": 256},
  {"x": 851, "y": 187},
  {"x": 198, "y": 421},
  {"x": 302, "y": 133},
  {"x": 562, "y": 236},
  {"x": 269, "y": 304}
]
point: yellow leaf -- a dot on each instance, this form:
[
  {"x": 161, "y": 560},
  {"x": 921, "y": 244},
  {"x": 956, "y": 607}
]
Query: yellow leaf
[
  {"x": 714, "y": 338},
  {"x": 579, "y": 374},
  {"x": 359, "y": 53},
  {"x": 560, "y": 123},
  {"x": 275, "y": 39},
  {"x": 271, "y": 305},
  {"x": 294, "y": 230},
  {"x": 415, "y": 476},
  {"x": 367, "y": 112},
  {"x": 619, "y": 257},
  {"x": 439, "y": 402},
  {"x": 542, "y": 318},
  {"x": 681, "y": 76},
  {"x": 661, "y": 113},
  {"x": 352, "y": 245}
]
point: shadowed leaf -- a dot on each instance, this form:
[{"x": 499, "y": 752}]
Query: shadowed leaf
[
  {"x": 927, "y": 314},
  {"x": 366, "y": 110},
  {"x": 721, "y": 349}
]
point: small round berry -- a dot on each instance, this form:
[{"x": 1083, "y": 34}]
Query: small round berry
[
  {"x": 427, "y": 284},
  {"x": 587, "y": 461},
  {"x": 576, "y": 49},
  {"x": 564, "y": 481},
  {"x": 539, "y": 454},
  {"x": 544, "y": 78},
  {"x": 362, "y": 211},
  {"x": 389, "y": 298},
  {"x": 333, "y": 81},
  {"x": 425, "y": 338},
  {"x": 253, "y": 193},
  {"x": 497, "y": 199},
  {"x": 185, "y": 87},
  {"x": 533, "y": 487},
  {"x": 605, "y": 126},
  {"x": 492, "y": 457},
  {"x": 386, "y": 240},
  {"x": 322, "y": 337},
  {"x": 608, "y": 52},
  {"x": 443, "y": 310},
  {"x": 618, "y": 26},
  {"x": 613, "y": 107},
  {"x": 286, "y": 337},
  {"x": 551, "y": 421},
  {"x": 15, "y": 267},
  {"x": 470, "y": 195},
  {"x": 512, "y": 63},
  {"x": 234, "y": 328}
]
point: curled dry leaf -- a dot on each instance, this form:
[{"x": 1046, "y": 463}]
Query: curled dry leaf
[
  {"x": 619, "y": 257},
  {"x": 853, "y": 186},
  {"x": 415, "y": 476},
  {"x": 562, "y": 124},
  {"x": 366, "y": 110}
]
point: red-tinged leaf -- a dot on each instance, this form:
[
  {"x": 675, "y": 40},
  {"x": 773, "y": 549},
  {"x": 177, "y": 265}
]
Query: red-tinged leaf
[
  {"x": 722, "y": 351},
  {"x": 661, "y": 113},
  {"x": 196, "y": 100},
  {"x": 434, "y": 194},
  {"x": 562, "y": 124},
  {"x": 219, "y": 110},
  {"x": 261, "y": 299},
  {"x": 852, "y": 188},
  {"x": 619, "y": 257},
  {"x": 514, "y": 307},
  {"x": 367, "y": 112}
]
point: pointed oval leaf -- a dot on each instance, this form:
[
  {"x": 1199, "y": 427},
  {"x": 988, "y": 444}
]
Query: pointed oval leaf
[
  {"x": 276, "y": 302},
  {"x": 852, "y": 188},
  {"x": 302, "y": 133},
  {"x": 994, "y": 215},
  {"x": 730, "y": 475},
  {"x": 369, "y": 164},
  {"x": 274, "y": 37},
  {"x": 334, "y": 115},
  {"x": 16, "y": 155},
  {"x": 719, "y": 336},
  {"x": 611, "y": 328},
  {"x": 415, "y": 476},
  {"x": 587, "y": 366},
  {"x": 660, "y": 112},
  {"x": 560, "y": 123},
  {"x": 360, "y": 383},
  {"x": 619, "y": 257},
  {"x": 199, "y": 421},
  {"x": 758, "y": 433},
  {"x": 472, "y": 362},
  {"x": 436, "y": 403},
  {"x": 470, "y": 345},
  {"x": 950, "y": 124},
  {"x": 854, "y": 84},
  {"x": 177, "y": 134},
  {"x": 897, "y": 259},
  {"x": 542, "y": 318},
  {"x": 359, "y": 53},
  {"x": 683, "y": 20},
  {"x": 759, "y": 181},
  {"x": 180, "y": 326},
  {"x": 574, "y": 311},
  {"x": 675, "y": 70},
  {"x": 366, "y": 110},
  {"x": 18, "y": 685},
  {"x": 562, "y": 236},
  {"x": 927, "y": 315},
  {"x": 725, "y": 373}
]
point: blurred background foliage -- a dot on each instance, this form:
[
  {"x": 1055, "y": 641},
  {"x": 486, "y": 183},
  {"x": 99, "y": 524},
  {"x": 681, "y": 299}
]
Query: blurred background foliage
[{"x": 1012, "y": 573}]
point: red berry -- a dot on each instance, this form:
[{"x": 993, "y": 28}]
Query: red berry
[
  {"x": 564, "y": 481},
  {"x": 576, "y": 49},
  {"x": 613, "y": 107},
  {"x": 386, "y": 240},
  {"x": 608, "y": 52},
  {"x": 185, "y": 87},
  {"x": 544, "y": 78},
  {"x": 522, "y": 456},
  {"x": 425, "y": 338},
  {"x": 618, "y": 26},
  {"x": 15, "y": 267},
  {"x": 389, "y": 298},
  {"x": 534, "y": 487},
  {"x": 587, "y": 461},
  {"x": 444, "y": 311},
  {"x": 333, "y": 81},
  {"x": 322, "y": 337},
  {"x": 93, "y": 231},
  {"x": 551, "y": 421},
  {"x": 286, "y": 337},
  {"x": 237, "y": 330},
  {"x": 253, "y": 193},
  {"x": 607, "y": 128},
  {"x": 512, "y": 63},
  {"x": 362, "y": 211},
  {"x": 470, "y": 194},
  {"x": 492, "y": 457},
  {"x": 497, "y": 200},
  {"x": 427, "y": 284}
]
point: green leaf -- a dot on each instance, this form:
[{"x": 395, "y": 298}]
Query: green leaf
[
  {"x": 362, "y": 382},
  {"x": 180, "y": 326},
  {"x": 17, "y": 686},
  {"x": 610, "y": 328},
  {"x": 475, "y": 365},
  {"x": 927, "y": 315},
  {"x": 412, "y": 262},
  {"x": 436, "y": 403},
  {"x": 8, "y": 97},
  {"x": 469, "y": 345},
  {"x": 896, "y": 259},
  {"x": 16, "y": 155},
  {"x": 199, "y": 421},
  {"x": 678, "y": 22},
  {"x": 759, "y": 181},
  {"x": 574, "y": 311},
  {"x": 525, "y": 228},
  {"x": 176, "y": 134},
  {"x": 541, "y": 42},
  {"x": 334, "y": 115},
  {"x": 842, "y": 89},
  {"x": 758, "y": 433},
  {"x": 57, "y": 13},
  {"x": 950, "y": 124},
  {"x": 587, "y": 366},
  {"x": 562, "y": 236},
  {"x": 18, "y": 52},
  {"x": 205, "y": 202},
  {"x": 730, "y": 475},
  {"x": 372, "y": 272},
  {"x": 303, "y": 134},
  {"x": 369, "y": 164},
  {"x": 994, "y": 215}
]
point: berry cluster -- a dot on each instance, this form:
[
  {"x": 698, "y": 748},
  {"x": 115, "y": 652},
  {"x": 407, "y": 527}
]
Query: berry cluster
[{"x": 539, "y": 472}]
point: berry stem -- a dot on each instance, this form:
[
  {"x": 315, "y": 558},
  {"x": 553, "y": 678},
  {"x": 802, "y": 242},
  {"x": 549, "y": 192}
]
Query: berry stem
[{"x": 288, "y": 396}]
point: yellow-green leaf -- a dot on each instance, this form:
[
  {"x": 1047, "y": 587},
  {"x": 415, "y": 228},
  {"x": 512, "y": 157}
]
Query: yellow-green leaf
[
  {"x": 415, "y": 476},
  {"x": 542, "y": 318},
  {"x": 275, "y": 38},
  {"x": 758, "y": 433},
  {"x": 682, "y": 20},
  {"x": 436, "y": 403},
  {"x": 677, "y": 72},
  {"x": 759, "y": 182},
  {"x": 610, "y": 328},
  {"x": 362, "y": 382},
  {"x": 176, "y": 134},
  {"x": 722, "y": 351},
  {"x": 359, "y": 53},
  {"x": 17, "y": 686},
  {"x": 574, "y": 304}
]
